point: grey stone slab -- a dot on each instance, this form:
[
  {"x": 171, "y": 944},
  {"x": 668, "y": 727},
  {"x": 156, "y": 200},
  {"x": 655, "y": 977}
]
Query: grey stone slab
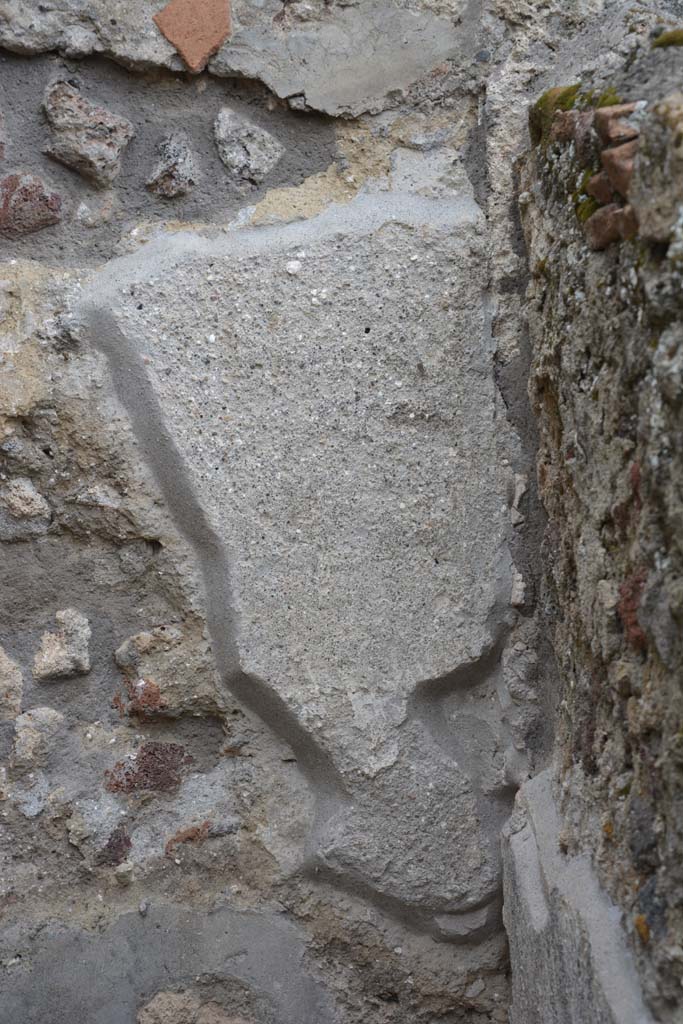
[{"x": 346, "y": 560}]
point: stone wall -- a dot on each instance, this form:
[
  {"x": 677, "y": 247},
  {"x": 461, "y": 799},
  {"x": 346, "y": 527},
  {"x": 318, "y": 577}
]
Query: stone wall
[
  {"x": 276, "y": 648},
  {"x": 600, "y": 200}
]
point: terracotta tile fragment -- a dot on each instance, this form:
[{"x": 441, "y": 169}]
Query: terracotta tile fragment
[
  {"x": 610, "y": 124},
  {"x": 618, "y": 162},
  {"x": 197, "y": 28},
  {"x": 600, "y": 187}
]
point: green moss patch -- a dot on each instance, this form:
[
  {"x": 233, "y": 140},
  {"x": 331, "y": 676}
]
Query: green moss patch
[
  {"x": 586, "y": 208},
  {"x": 562, "y": 97},
  {"x": 674, "y": 37},
  {"x": 609, "y": 98}
]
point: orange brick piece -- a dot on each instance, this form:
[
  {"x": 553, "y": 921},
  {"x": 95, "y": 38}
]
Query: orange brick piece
[{"x": 197, "y": 28}]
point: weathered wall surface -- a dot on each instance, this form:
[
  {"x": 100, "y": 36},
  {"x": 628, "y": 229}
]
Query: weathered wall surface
[
  {"x": 594, "y": 850},
  {"x": 271, "y": 665}
]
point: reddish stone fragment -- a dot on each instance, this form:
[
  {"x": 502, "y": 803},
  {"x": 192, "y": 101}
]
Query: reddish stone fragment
[
  {"x": 193, "y": 834},
  {"x": 86, "y": 137},
  {"x": 618, "y": 162},
  {"x": 144, "y": 696},
  {"x": 155, "y": 766},
  {"x": 26, "y": 205},
  {"x": 610, "y": 124},
  {"x": 630, "y": 593},
  {"x": 197, "y": 28},
  {"x": 603, "y": 227},
  {"x": 116, "y": 848},
  {"x": 600, "y": 187}
]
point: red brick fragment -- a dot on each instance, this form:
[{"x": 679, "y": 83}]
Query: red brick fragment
[
  {"x": 618, "y": 162},
  {"x": 610, "y": 124},
  {"x": 600, "y": 187},
  {"x": 27, "y": 205},
  {"x": 197, "y": 28}
]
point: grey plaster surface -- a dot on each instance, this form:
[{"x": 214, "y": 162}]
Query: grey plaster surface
[
  {"x": 105, "y": 977},
  {"x": 568, "y": 947},
  {"x": 93, "y": 220}
]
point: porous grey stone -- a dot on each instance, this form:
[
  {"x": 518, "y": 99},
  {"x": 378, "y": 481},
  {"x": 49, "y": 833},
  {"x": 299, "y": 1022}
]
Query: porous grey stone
[
  {"x": 248, "y": 151},
  {"x": 85, "y": 137},
  {"x": 24, "y": 512},
  {"x": 65, "y": 653},
  {"x": 34, "y": 732},
  {"x": 175, "y": 173},
  {"x": 571, "y": 961}
]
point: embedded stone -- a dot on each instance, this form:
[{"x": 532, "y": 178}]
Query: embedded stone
[
  {"x": 11, "y": 688},
  {"x": 64, "y": 653},
  {"x": 166, "y": 671},
  {"x": 197, "y": 30},
  {"x": 618, "y": 163},
  {"x": 24, "y": 512},
  {"x": 185, "y": 1008},
  {"x": 34, "y": 732},
  {"x": 154, "y": 766},
  {"x": 27, "y": 205},
  {"x": 86, "y": 137},
  {"x": 248, "y": 151},
  {"x": 175, "y": 173}
]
